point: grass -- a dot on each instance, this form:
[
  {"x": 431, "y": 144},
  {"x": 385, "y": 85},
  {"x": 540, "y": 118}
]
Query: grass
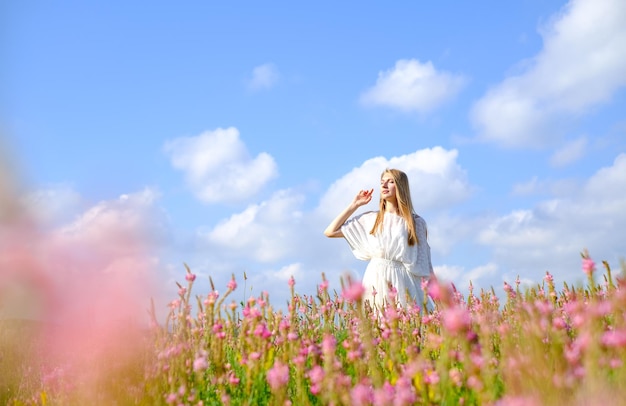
[{"x": 542, "y": 345}]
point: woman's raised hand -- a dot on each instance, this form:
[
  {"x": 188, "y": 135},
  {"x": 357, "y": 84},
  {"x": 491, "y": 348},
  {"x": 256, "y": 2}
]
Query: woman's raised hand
[
  {"x": 334, "y": 228},
  {"x": 363, "y": 197}
]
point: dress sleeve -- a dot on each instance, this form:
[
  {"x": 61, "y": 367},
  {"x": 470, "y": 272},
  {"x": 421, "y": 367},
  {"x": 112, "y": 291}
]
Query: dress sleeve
[
  {"x": 422, "y": 266},
  {"x": 356, "y": 232}
]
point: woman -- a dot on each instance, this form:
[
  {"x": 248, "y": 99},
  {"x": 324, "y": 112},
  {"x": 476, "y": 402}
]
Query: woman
[{"x": 392, "y": 239}]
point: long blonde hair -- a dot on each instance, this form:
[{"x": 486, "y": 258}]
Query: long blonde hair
[{"x": 405, "y": 205}]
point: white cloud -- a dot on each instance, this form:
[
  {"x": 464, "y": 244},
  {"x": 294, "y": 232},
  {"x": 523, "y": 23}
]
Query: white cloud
[
  {"x": 264, "y": 77},
  {"x": 286, "y": 272},
  {"x": 52, "y": 204},
  {"x": 413, "y": 86},
  {"x": 436, "y": 181},
  {"x": 112, "y": 225},
  {"x": 536, "y": 186},
  {"x": 550, "y": 236},
  {"x": 264, "y": 232},
  {"x": 448, "y": 272},
  {"x": 218, "y": 167},
  {"x": 482, "y": 276},
  {"x": 570, "y": 152},
  {"x": 445, "y": 231},
  {"x": 479, "y": 274},
  {"x": 582, "y": 64},
  {"x": 526, "y": 188}
]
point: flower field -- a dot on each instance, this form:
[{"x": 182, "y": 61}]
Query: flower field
[{"x": 542, "y": 345}]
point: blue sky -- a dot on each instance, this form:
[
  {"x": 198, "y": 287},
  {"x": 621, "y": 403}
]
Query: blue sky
[{"x": 232, "y": 133}]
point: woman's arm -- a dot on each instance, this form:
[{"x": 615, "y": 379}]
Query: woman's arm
[{"x": 334, "y": 228}]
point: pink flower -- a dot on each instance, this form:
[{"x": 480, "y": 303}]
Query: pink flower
[
  {"x": 456, "y": 376},
  {"x": 278, "y": 376},
  {"x": 392, "y": 294},
  {"x": 190, "y": 277},
  {"x": 284, "y": 325},
  {"x": 354, "y": 292},
  {"x": 211, "y": 298},
  {"x": 316, "y": 374},
  {"x": 440, "y": 292},
  {"x": 431, "y": 377},
  {"x": 329, "y": 343},
  {"x": 614, "y": 338},
  {"x": 588, "y": 266},
  {"x": 200, "y": 364},
  {"x": 477, "y": 360},
  {"x": 255, "y": 355},
  {"x": 559, "y": 323},
  {"x": 232, "y": 284},
  {"x": 315, "y": 389},
  {"x": 548, "y": 278},
  {"x": 405, "y": 392},
  {"x": 291, "y": 282},
  {"x": 384, "y": 395},
  {"x": 361, "y": 394},
  {"x": 262, "y": 331},
  {"x": 232, "y": 379},
  {"x": 424, "y": 284},
  {"x": 456, "y": 319},
  {"x": 517, "y": 401},
  {"x": 474, "y": 382}
]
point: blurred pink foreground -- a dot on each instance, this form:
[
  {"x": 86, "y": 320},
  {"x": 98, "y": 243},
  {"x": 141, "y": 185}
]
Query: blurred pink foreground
[{"x": 87, "y": 289}]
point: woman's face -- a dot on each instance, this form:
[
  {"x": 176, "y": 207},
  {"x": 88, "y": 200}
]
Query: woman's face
[{"x": 387, "y": 187}]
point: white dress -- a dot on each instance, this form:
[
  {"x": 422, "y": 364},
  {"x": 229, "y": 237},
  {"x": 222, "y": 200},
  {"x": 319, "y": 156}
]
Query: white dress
[{"x": 391, "y": 259}]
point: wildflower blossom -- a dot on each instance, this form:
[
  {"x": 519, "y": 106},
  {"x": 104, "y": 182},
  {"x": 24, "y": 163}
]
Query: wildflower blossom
[
  {"x": 456, "y": 319},
  {"x": 171, "y": 398},
  {"x": 614, "y": 338},
  {"x": 211, "y": 298},
  {"x": 190, "y": 277},
  {"x": 329, "y": 343},
  {"x": 278, "y": 375},
  {"x": 255, "y": 355},
  {"x": 384, "y": 395},
  {"x": 588, "y": 266},
  {"x": 509, "y": 289},
  {"x": 405, "y": 392},
  {"x": 354, "y": 292},
  {"x": 361, "y": 394},
  {"x": 233, "y": 379},
  {"x": 200, "y": 364}
]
